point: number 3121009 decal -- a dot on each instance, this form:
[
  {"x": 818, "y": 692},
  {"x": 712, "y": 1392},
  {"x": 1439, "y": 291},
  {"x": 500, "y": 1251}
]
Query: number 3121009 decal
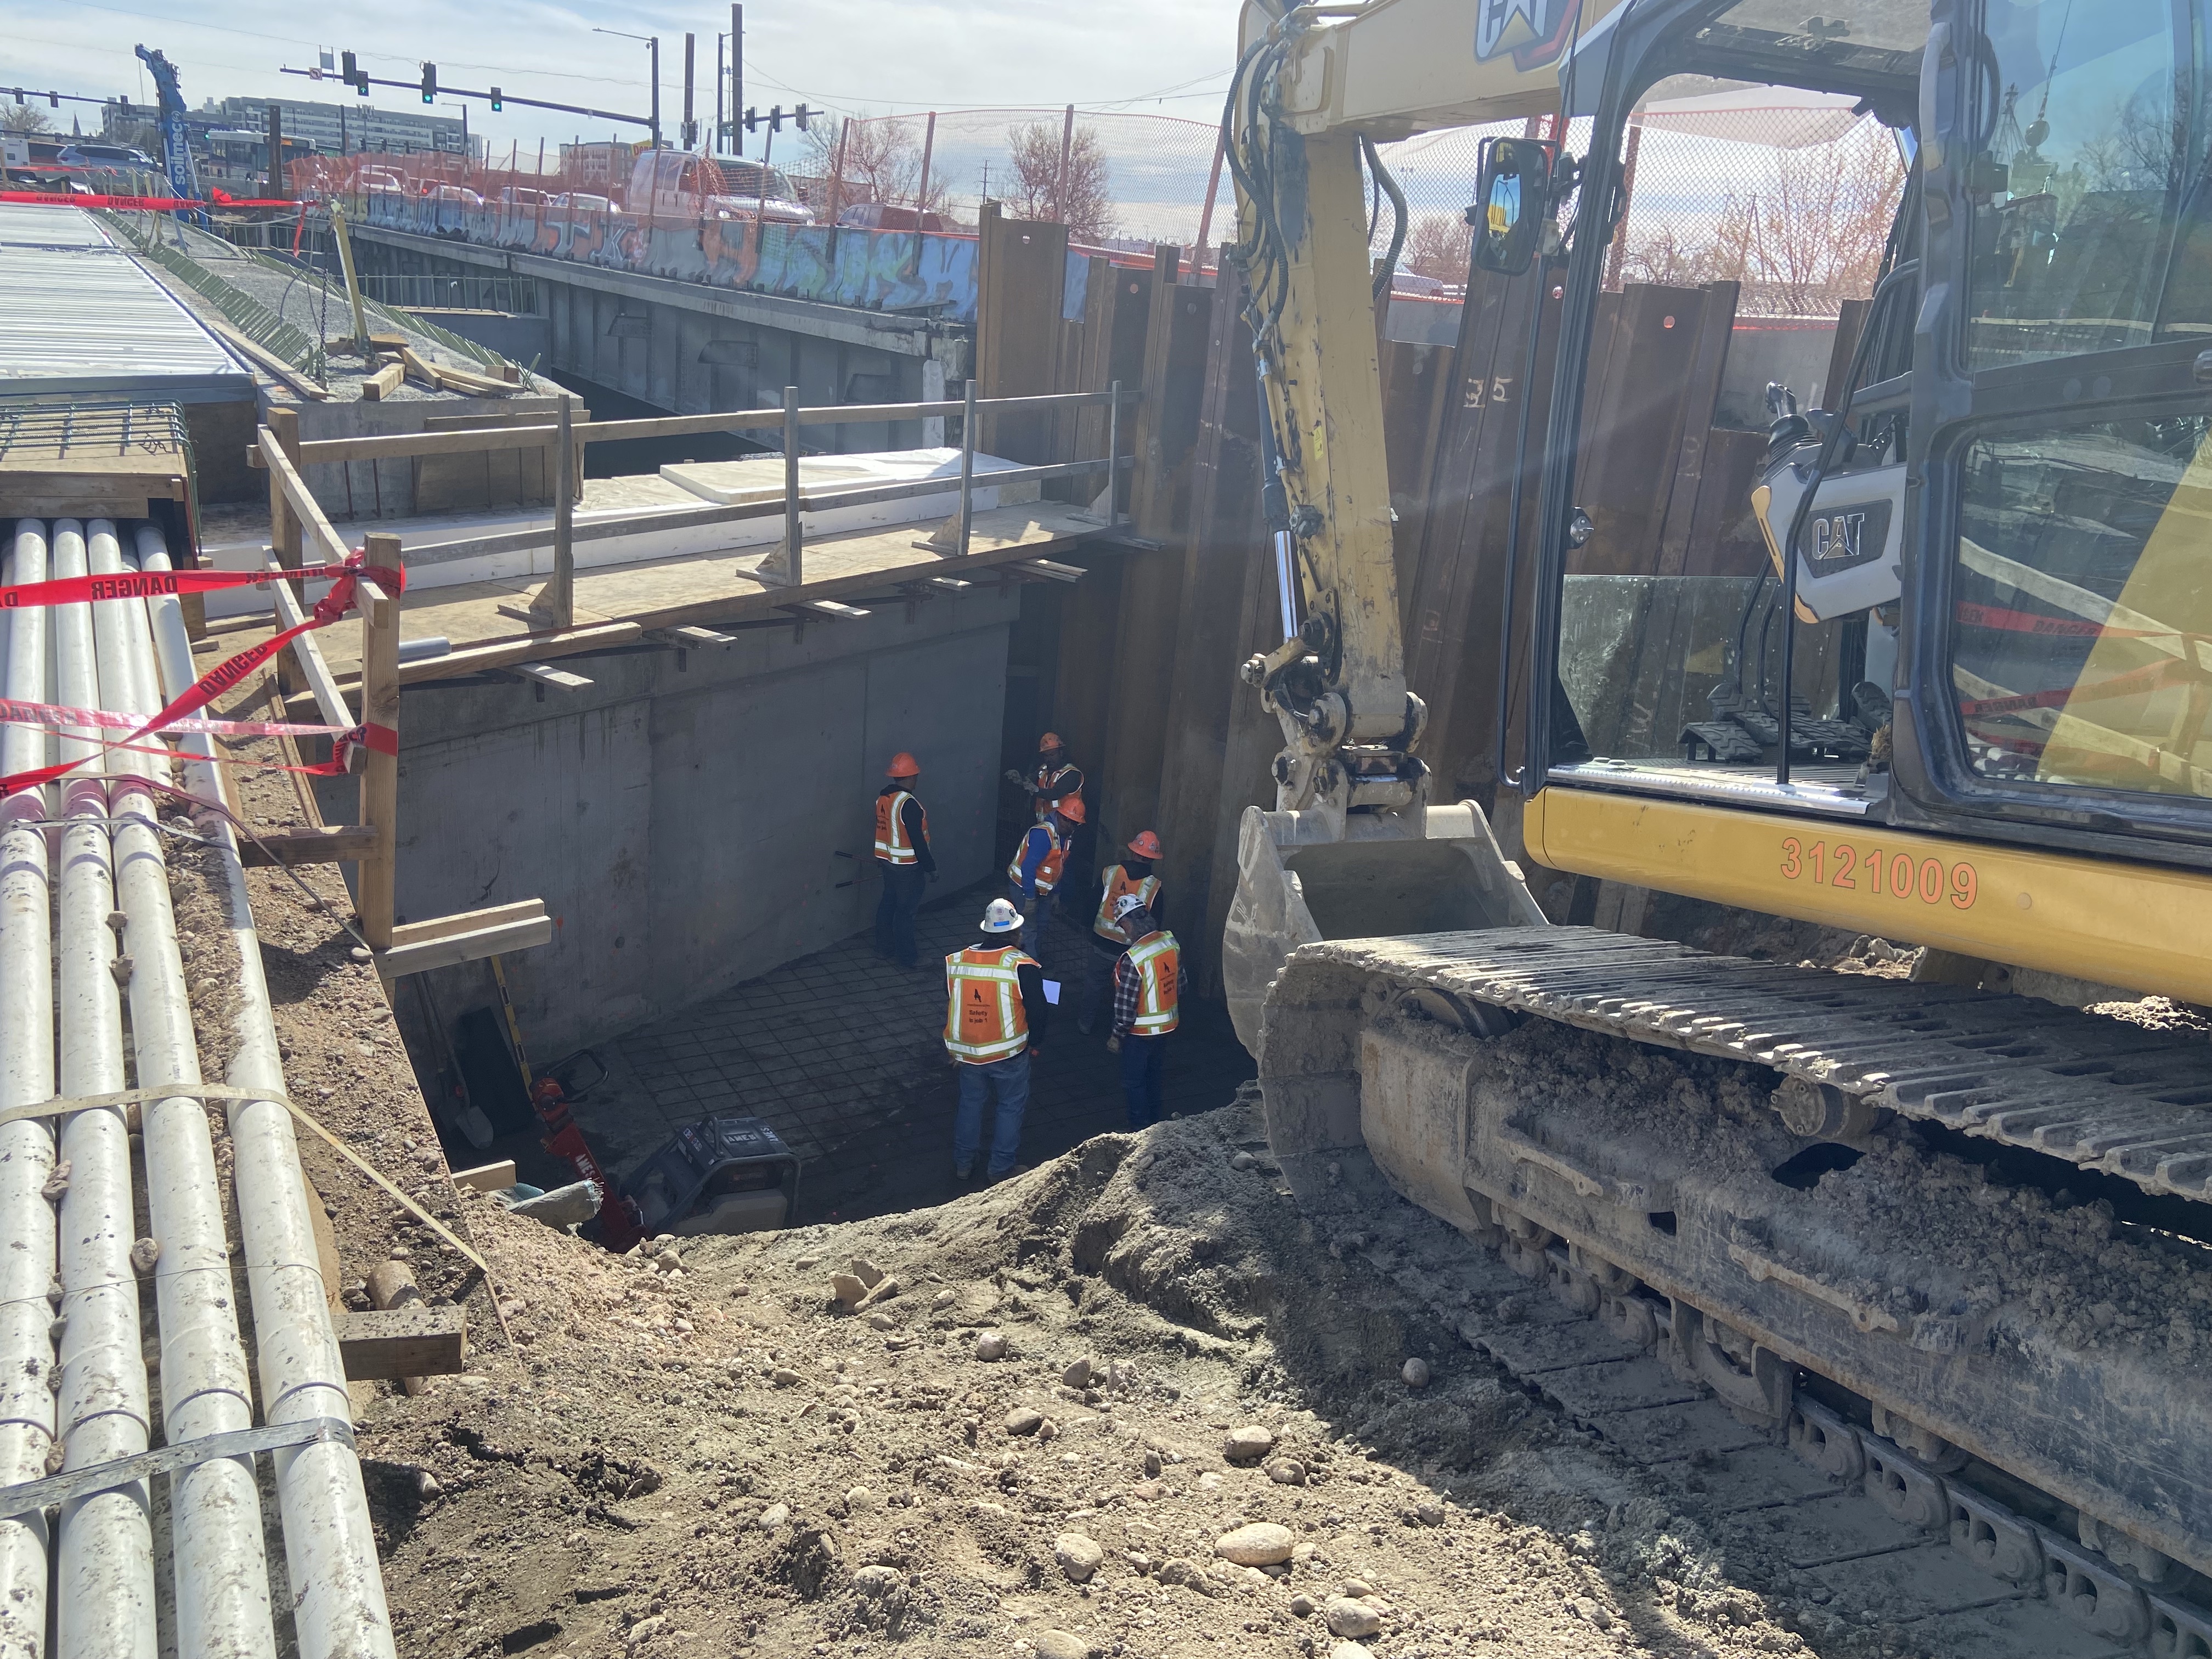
[{"x": 1870, "y": 870}]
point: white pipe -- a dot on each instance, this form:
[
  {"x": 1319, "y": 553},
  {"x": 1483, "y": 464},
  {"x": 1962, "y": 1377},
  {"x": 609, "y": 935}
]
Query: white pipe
[
  {"x": 27, "y": 1148},
  {"x": 104, "y": 1586},
  {"x": 222, "y": 1604},
  {"x": 330, "y": 1547}
]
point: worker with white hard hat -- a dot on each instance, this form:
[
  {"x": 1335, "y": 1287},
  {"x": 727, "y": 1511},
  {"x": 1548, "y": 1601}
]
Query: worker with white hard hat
[
  {"x": 1147, "y": 995},
  {"x": 994, "y": 1015}
]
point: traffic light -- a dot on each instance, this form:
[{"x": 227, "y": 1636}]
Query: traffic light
[
  {"x": 429, "y": 83},
  {"x": 496, "y": 104},
  {"x": 53, "y": 101}
]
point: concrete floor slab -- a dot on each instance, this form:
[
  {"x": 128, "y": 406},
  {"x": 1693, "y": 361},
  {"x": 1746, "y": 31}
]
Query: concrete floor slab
[{"x": 841, "y": 1052}]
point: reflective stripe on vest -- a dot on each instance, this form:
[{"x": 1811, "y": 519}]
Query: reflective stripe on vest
[
  {"x": 1117, "y": 884},
  {"x": 1053, "y": 787},
  {"x": 1047, "y": 872},
  {"x": 891, "y": 845},
  {"x": 1158, "y": 962},
  {"x": 984, "y": 1018}
]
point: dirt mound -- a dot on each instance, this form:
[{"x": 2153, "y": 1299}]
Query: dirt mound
[{"x": 709, "y": 1456}]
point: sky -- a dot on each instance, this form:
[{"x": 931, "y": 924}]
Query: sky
[{"x": 881, "y": 57}]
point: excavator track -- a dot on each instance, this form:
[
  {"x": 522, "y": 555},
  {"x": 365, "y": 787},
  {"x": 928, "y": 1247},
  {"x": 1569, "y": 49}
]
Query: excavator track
[
  {"x": 1837, "y": 1208},
  {"x": 2098, "y": 1093}
]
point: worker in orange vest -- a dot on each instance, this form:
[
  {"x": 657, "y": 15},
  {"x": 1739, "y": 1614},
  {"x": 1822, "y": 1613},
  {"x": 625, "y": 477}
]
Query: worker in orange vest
[
  {"x": 1135, "y": 874},
  {"x": 1056, "y": 779},
  {"x": 903, "y": 860},
  {"x": 1038, "y": 865},
  {"x": 994, "y": 1016},
  {"x": 1147, "y": 995}
]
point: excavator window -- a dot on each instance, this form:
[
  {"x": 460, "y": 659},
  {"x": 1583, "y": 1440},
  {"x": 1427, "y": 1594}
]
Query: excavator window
[
  {"x": 2081, "y": 630},
  {"x": 2090, "y": 228},
  {"x": 1758, "y": 220}
]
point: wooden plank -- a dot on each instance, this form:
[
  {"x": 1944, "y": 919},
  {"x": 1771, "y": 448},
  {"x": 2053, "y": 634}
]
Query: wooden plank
[
  {"x": 376, "y": 387},
  {"x": 389, "y": 1343},
  {"x": 486, "y": 1177},
  {"x": 375, "y": 884},
  {"x": 1021, "y": 276},
  {"x": 312, "y": 672},
  {"x": 266, "y": 359},
  {"x": 466, "y": 921},
  {"x": 455, "y": 949},
  {"x": 337, "y": 844}
]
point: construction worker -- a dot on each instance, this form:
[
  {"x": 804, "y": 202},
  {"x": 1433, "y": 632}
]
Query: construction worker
[
  {"x": 1056, "y": 779},
  {"x": 994, "y": 1016},
  {"x": 902, "y": 859},
  {"x": 1038, "y": 865},
  {"x": 1148, "y": 988},
  {"x": 1132, "y": 875}
]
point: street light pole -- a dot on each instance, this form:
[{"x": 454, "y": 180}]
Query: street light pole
[{"x": 652, "y": 43}]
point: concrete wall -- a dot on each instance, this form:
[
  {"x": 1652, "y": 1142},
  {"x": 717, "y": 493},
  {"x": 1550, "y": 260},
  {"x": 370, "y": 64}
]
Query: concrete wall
[
  {"x": 684, "y": 826},
  {"x": 386, "y": 488}
]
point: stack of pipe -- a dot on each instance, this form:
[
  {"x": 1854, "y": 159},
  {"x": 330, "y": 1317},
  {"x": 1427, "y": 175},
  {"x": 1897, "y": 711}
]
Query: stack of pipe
[{"x": 85, "y": 929}]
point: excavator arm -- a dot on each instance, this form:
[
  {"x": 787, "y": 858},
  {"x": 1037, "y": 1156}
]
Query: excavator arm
[{"x": 1355, "y": 845}]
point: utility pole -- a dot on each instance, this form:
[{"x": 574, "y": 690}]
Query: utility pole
[
  {"x": 737, "y": 78},
  {"x": 690, "y": 127},
  {"x": 656, "y": 92},
  {"x": 716, "y": 145},
  {"x": 277, "y": 147}
]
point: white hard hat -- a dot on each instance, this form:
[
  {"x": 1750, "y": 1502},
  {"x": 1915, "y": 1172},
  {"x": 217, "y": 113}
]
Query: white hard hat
[
  {"x": 1125, "y": 903},
  {"x": 1000, "y": 917}
]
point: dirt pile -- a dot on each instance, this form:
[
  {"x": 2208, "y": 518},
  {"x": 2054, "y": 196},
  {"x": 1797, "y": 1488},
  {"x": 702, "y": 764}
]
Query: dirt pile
[{"x": 1197, "y": 1434}]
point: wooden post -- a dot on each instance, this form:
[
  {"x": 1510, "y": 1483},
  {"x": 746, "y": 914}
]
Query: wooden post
[
  {"x": 791, "y": 528},
  {"x": 352, "y": 282},
  {"x": 374, "y": 892},
  {"x": 284, "y": 528},
  {"x": 558, "y": 596},
  {"x": 1060, "y": 180}
]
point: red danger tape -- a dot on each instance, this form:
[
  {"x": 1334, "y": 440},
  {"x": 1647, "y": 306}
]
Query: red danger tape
[
  {"x": 160, "y": 584},
  {"x": 225, "y": 674},
  {"x": 133, "y": 203},
  {"x": 2156, "y": 678},
  {"x": 60, "y": 717}
]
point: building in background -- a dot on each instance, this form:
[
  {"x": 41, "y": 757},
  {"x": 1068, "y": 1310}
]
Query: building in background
[{"x": 334, "y": 129}]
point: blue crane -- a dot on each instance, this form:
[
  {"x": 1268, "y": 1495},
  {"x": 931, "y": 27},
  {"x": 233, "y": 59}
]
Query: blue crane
[{"x": 176, "y": 141}]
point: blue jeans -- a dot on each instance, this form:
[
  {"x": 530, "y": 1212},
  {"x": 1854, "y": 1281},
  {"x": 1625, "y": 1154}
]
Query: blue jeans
[
  {"x": 1036, "y": 913},
  {"x": 1143, "y": 1078},
  {"x": 1009, "y": 1078},
  {"x": 903, "y": 885}
]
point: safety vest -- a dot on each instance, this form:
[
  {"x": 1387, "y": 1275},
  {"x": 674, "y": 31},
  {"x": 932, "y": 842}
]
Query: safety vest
[
  {"x": 1047, "y": 873},
  {"x": 1056, "y": 786},
  {"x": 984, "y": 1019},
  {"x": 1158, "y": 962},
  {"x": 891, "y": 845},
  {"x": 1117, "y": 884}
]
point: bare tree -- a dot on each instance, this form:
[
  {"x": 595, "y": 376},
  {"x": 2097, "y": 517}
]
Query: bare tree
[
  {"x": 1088, "y": 207},
  {"x": 24, "y": 118},
  {"x": 1807, "y": 236},
  {"x": 1440, "y": 246},
  {"x": 873, "y": 159}
]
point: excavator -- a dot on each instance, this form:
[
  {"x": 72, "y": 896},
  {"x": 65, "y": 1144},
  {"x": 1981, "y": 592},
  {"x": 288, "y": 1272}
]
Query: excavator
[{"x": 1940, "y": 1236}]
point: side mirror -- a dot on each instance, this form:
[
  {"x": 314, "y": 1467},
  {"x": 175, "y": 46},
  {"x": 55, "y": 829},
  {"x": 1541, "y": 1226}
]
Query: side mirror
[{"x": 1512, "y": 203}]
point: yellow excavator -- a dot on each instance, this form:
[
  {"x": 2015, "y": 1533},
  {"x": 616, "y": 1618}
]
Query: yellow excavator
[{"x": 1950, "y": 1239}]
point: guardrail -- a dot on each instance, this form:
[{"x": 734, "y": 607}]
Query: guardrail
[{"x": 554, "y": 603}]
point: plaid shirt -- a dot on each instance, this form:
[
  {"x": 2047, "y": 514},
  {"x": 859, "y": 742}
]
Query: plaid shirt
[{"x": 1128, "y": 986}]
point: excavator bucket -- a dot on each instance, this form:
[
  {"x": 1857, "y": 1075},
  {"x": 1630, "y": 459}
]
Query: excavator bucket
[{"x": 1299, "y": 881}]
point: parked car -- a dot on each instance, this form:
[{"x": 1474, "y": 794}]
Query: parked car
[
  {"x": 520, "y": 195},
  {"x": 109, "y": 157},
  {"x": 673, "y": 184},
  {"x": 881, "y": 215},
  {"x": 578, "y": 201}
]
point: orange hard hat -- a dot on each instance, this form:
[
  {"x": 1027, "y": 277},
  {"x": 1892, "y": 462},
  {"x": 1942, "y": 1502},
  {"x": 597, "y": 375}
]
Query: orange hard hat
[
  {"x": 1049, "y": 740},
  {"x": 903, "y": 765},
  {"x": 1146, "y": 845},
  {"x": 1071, "y": 808}
]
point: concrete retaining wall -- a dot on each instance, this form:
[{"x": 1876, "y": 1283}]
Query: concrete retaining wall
[{"x": 685, "y": 827}]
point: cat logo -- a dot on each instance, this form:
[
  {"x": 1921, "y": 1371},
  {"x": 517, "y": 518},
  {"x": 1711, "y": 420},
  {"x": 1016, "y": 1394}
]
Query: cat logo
[
  {"x": 1837, "y": 536},
  {"x": 1534, "y": 31}
]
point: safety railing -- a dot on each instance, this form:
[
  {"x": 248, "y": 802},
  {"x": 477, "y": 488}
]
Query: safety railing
[{"x": 566, "y": 438}]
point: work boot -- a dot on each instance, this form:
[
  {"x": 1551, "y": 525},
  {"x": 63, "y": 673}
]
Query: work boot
[{"x": 961, "y": 1171}]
